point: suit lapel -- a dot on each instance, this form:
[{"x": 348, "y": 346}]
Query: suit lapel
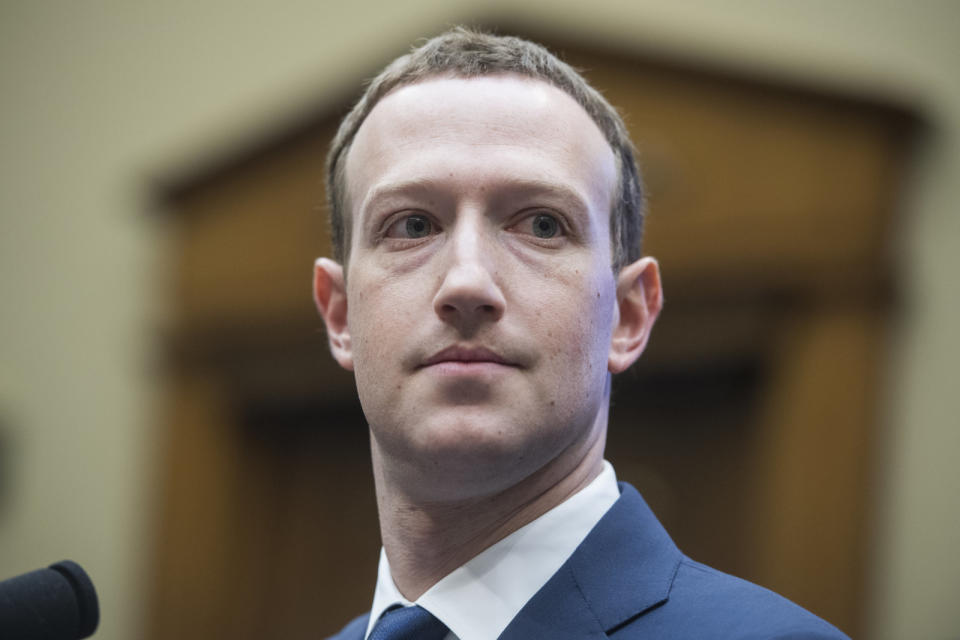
[
  {"x": 558, "y": 612},
  {"x": 623, "y": 568}
]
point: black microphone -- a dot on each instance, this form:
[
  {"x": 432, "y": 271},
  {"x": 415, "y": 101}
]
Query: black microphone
[{"x": 57, "y": 603}]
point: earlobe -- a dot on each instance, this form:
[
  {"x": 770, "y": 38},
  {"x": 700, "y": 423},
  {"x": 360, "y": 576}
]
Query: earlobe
[
  {"x": 330, "y": 296},
  {"x": 639, "y": 299}
]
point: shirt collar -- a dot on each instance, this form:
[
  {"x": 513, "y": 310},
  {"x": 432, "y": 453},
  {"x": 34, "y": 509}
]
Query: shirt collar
[{"x": 499, "y": 581}]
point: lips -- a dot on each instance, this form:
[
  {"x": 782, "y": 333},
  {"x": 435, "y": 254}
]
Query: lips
[{"x": 466, "y": 355}]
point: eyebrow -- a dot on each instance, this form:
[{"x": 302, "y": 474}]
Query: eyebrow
[
  {"x": 402, "y": 188},
  {"x": 553, "y": 192},
  {"x": 565, "y": 196}
]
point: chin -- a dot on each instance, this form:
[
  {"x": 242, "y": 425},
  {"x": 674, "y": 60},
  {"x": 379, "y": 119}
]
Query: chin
[{"x": 472, "y": 456}]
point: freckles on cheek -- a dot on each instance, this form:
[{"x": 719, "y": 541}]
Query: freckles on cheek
[
  {"x": 382, "y": 319},
  {"x": 585, "y": 329}
]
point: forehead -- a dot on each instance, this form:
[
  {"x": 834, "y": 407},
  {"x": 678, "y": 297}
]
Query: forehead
[{"x": 492, "y": 127}]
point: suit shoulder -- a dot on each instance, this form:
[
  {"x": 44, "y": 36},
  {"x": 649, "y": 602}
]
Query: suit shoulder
[
  {"x": 745, "y": 609},
  {"x": 354, "y": 629},
  {"x": 703, "y": 598}
]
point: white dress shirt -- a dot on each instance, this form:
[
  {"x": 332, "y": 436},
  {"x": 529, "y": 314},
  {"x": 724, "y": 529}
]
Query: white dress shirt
[{"x": 479, "y": 599}]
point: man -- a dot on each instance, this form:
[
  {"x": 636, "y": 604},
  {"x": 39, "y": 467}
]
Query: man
[{"x": 487, "y": 215}]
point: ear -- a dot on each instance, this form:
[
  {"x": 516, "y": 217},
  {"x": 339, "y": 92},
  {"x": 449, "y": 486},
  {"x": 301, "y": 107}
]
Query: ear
[
  {"x": 639, "y": 299},
  {"x": 330, "y": 296}
]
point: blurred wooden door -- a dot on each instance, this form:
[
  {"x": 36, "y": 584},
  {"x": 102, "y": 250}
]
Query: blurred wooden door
[{"x": 750, "y": 425}]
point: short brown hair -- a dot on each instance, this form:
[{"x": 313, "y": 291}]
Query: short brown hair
[{"x": 465, "y": 53}]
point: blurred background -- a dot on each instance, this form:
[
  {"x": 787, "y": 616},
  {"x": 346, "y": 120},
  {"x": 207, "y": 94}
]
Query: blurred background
[{"x": 169, "y": 417}]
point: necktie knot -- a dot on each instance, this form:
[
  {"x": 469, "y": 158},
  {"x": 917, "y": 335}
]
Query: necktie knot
[{"x": 408, "y": 623}]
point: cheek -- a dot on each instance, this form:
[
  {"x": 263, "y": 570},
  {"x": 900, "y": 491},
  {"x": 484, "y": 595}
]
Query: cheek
[
  {"x": 381, "y": 317},
  {"x": 363, "y": 318},
  {"x": 577, "y": 324}
]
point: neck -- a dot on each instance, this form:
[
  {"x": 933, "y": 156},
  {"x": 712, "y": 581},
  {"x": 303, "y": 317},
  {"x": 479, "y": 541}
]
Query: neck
[{"x": 426, "y": 540}]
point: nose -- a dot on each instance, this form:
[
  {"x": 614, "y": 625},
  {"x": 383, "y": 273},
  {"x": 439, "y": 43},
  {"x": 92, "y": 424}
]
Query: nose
[{"x": 469, "y": 293}]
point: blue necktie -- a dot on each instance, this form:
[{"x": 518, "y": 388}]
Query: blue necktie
[{"x": 408, "y": 623}]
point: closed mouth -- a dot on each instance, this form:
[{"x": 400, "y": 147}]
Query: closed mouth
[{"x": 466, "y": 355}]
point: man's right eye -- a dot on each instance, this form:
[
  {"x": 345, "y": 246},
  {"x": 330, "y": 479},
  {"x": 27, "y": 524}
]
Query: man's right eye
[{"x": 411, "y": 227}]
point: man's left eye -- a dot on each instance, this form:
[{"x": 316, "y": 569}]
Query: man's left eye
[{"x": 545, "y": 225}]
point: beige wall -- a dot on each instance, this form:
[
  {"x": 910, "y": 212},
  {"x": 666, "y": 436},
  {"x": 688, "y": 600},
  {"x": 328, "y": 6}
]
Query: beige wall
[{"x": 98, "y": 98}]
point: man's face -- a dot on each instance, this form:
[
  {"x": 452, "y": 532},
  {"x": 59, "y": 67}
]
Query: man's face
[{"x": 480, "y": 296}]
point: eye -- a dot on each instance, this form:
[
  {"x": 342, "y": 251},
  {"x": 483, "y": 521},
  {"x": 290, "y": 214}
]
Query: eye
[
  {"x": 410, "y": 227},
  {"x": 545, "y": 225},
  {"x": 541, "y": 225}
]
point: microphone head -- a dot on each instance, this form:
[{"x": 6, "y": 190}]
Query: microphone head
[
  {"x": 57, "y": 603},
  {"x": 89, "y": 607}
]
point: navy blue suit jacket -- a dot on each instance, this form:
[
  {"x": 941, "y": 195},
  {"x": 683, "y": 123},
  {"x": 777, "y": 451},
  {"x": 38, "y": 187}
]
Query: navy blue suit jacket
[{"x": 627, "y": 580}]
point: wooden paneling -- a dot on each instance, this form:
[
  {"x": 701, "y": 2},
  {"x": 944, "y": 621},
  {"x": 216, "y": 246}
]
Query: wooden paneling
[
  {"x": 247, "y": 244},
  {"x": 813, "y": 460},
  {"x": 268, "y": 527},
  {"x": 764, "y": 186}
]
